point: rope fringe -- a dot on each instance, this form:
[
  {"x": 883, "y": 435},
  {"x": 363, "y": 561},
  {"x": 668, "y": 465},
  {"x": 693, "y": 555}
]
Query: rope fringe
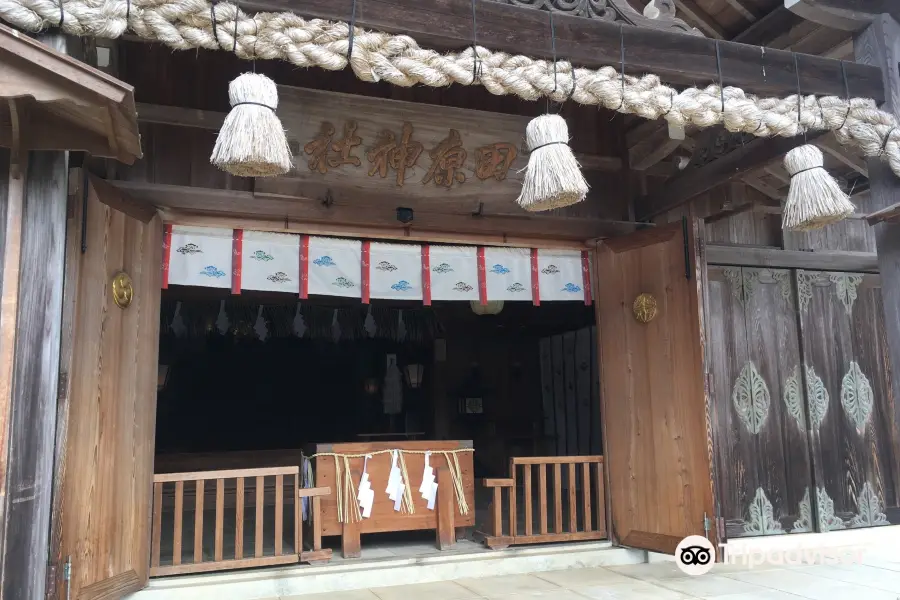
[{"x": 399, "y": 60}]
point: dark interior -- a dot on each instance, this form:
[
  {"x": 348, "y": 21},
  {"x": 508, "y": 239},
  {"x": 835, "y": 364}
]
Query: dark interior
[{"x": 234, "y": 392}]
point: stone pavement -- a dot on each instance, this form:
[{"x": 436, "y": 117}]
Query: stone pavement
[{"x": 878, "y": 578}]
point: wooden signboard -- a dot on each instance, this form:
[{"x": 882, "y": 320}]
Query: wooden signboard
[{"x": 377, "y": 150}]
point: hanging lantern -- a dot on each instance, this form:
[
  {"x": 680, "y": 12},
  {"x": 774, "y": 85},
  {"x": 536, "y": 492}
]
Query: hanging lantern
[
  {"x": 492, "y": 307},
  {"x": 370, "y": 386},
  {"x": 414, "y": 373},
  {"x": 251, "y": 142},
  {"x": 553, "y": 176},
  {"x": 814, "y": 199}
]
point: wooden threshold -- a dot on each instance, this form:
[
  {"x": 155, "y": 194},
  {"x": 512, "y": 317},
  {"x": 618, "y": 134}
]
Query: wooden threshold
[
  {"x": 266, "y": 561},
  {"x": 520, "y": 540}
]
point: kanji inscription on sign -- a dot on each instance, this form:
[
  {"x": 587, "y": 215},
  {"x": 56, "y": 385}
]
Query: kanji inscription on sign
[
  {"x": 393, "y": 155},
  {"x": 356, "y": 148}
]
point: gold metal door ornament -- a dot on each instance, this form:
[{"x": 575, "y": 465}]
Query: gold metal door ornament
[
  {"x": 122, "y": 290},
  {"x": 645, "y": 308}
]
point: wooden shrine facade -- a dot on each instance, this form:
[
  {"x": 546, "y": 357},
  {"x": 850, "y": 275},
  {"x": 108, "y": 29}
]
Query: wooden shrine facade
[{"x": 693, "y": 223}]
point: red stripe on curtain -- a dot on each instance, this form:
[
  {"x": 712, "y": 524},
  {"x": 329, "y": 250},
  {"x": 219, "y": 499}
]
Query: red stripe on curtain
[
  {"x": 167, "y": 255},
  {"x": 304, "y": 266},
  {"x": 426, "y": 274},
  {"x": 535, "y": 280},
  {"x": 237, "y": 251},
  {"x": 586, "y": 277},
  {"x": 482, "y": 277},
  {"x": 366, "y": 247}
]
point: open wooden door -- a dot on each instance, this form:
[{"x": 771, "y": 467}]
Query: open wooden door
[
  {"x": 104, "y": 471},
  {"x": 655, "y": 409}
]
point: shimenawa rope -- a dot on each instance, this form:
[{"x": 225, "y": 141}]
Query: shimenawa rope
[{"x": 398, "y": 59}]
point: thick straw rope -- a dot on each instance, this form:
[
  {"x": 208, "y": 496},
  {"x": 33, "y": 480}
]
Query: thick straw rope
[
  {"x": 346, "y": 490},
  {"x": 398, "y": 59}
]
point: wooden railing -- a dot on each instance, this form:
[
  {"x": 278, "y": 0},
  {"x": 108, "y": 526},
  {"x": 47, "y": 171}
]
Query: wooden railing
[
  {"x": 277, "y": 488},
  {"x": 585, "y": 507}
]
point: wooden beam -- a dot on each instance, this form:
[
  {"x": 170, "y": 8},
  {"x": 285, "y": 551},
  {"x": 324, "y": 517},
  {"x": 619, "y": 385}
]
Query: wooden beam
[
  {"x": 890, "y": 214},
  {"x": 648, "y": 143},
  {"x": 764, "y": 188},
  {"x": 312, "y": 216},
  {"x": 849, "y": 15},
  {"x": 119, "y": 200},
  {"x": 813, "y": 10},
  {"x": 830, "y": 146},
  {"x": 700, "y": 18},
  {"x": 840, "y": 51},
  {"x": 733, "y": 165},
  {"x": 742, "y": 10},
  {"x": 775, "y": 258},
  {"x": 778, "y": 172},
  {"x": 775, "y": 24},
  {"x": 675, "y": 57},
  {"x": 647, "y": 155}
]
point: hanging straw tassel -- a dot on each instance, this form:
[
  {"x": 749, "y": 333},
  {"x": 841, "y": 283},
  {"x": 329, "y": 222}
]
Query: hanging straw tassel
[
  {"x": 251, "y": 142},
  {"x": 553, "y": 177},
  {"x": 814, "y": 199}
]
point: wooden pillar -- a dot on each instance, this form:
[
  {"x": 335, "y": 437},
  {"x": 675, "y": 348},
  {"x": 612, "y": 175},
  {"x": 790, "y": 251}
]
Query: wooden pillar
[
  {"x": 35, "y": 373},
  {"x": 32, "y": 302},
  {"x": 879, "y": 45},
  {"x": 11, "y": 203},
  {"x": 445, "y": 510}
]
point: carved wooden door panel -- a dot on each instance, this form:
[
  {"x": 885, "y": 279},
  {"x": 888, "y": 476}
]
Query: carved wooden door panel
[
  {"x": 765, "y": 478},
  {"x": 854, "y": 436},
  {"x": 655, "y": 411},
  {"x": 104, "y": 478}
]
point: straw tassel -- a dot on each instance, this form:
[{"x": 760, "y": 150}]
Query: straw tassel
[
  {"x": 252, "y": 142},
  {"x": 407, "y": 502},
  {"x": 553, "y": 176},
  {"x": 815, "y": 199}
]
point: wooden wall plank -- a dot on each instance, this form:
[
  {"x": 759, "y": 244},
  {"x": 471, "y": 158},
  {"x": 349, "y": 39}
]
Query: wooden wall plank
[
  {"x": 569, "y": 371},
  {"x": 583, "y": 373},
  {"x": 549, "y": 428},
  {"x": 596, "y": 423},
  {"x": 32, "y": 424},
  {"x": 559, "y": 394}
]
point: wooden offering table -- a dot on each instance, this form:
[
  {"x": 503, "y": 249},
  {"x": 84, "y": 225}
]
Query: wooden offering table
[{"x": 446, "y": 515}]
